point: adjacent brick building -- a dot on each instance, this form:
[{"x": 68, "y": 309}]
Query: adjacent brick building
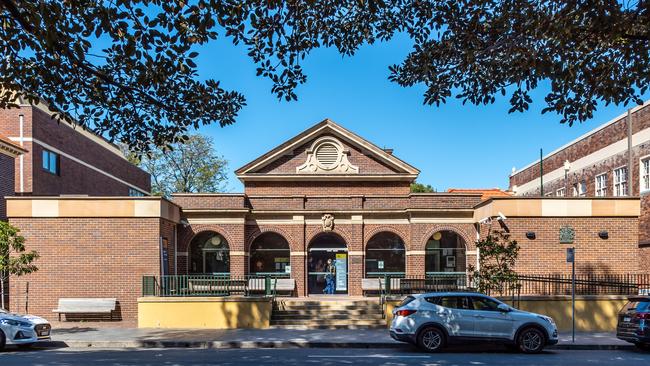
[
  {"x": 613, "y": 160},
  {"x": 63, "y": 159}
]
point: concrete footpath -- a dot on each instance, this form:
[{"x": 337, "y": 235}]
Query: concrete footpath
[{"x": 88, "y": 336}]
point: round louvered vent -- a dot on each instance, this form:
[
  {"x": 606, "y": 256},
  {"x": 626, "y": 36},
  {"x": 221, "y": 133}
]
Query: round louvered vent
[{"x": 327, "y": 155}]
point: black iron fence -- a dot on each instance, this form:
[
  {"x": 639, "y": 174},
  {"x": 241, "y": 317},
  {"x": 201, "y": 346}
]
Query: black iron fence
[
  {"x": 543, "y": 285},
  {"x": 210, "y": 285}
]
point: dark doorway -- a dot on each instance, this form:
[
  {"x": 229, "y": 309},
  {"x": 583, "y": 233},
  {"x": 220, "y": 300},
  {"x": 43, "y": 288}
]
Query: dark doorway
[{"x": 324, "y": 248}]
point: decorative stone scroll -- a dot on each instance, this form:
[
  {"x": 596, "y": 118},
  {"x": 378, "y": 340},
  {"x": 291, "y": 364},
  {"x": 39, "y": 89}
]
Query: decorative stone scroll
[{"x": 327, "y": 156}]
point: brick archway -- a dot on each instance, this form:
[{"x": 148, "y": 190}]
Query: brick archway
[
  {"x": 422, "y": 243},
  {"x": 259, "y": 231}
]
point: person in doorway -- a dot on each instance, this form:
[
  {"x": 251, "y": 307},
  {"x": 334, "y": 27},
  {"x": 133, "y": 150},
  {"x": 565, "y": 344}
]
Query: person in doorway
[{"x": 330, "y": 277}]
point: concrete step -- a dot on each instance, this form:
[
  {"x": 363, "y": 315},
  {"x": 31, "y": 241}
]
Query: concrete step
[
  {"x": 301, "y": 326},
  {"x": 372, "y": 307},
  {"x": 323, "y": 317},
  {"x": 353, "y": 313}
]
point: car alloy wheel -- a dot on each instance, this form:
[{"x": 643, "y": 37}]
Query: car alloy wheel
[
  {"x": 431, "y": 339},
  {"x": 531, "y": 341}
]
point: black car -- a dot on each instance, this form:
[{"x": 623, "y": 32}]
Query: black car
[{"x": 634, "y": 322}]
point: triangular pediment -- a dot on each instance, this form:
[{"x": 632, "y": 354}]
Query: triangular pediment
[{"x": 327, "y": 151}]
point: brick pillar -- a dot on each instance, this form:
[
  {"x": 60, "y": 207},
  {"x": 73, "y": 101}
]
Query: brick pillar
[
  {"x": 298, "y": 260},
  {"x": 356, "y": 256},
  {"x": 238, "y": 251},
  {"x": 415, "y": 264}
]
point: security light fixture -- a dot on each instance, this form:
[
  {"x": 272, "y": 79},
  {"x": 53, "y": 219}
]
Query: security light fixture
[
  {"x": 603, "y": 234},
  {"x": 530, "y": 235}
]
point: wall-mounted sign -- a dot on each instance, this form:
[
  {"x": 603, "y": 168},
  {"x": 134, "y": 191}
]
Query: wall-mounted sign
[
  {"x": 570, "y": 255},
  {"x": 380, "y": 264},
  {"x": 567, "y": 235},
  {"x": 341, "y": 264}
]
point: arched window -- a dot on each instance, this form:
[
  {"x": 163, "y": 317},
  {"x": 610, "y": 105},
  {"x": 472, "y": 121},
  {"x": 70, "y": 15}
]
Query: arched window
[
  {"x": 270, "y": 254},
  {"x": 445, "y": 253},
  {"x": 385, "y": 255},
  {"x": 209, "y": 253}
]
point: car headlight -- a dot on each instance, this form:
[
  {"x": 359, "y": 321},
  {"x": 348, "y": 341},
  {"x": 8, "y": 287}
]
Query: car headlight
[
  {"x": 547, "y": 318},
  {"x": 15, "y": 323}
]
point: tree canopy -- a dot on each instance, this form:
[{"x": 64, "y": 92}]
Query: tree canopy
[
  {"x": 191, "y": 165},
  {"x": 421, "y": 188},
  {"x": 126, "y": 68}
]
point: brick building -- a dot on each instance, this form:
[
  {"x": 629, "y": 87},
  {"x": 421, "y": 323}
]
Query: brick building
[
  {"x": 324, "y": 194},
  {"x": 63, "y": 159}
]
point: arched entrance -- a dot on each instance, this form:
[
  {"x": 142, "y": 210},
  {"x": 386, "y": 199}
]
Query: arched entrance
[
  {"x": 385, "y": 255},
  {"x": 324, "y": 248}
]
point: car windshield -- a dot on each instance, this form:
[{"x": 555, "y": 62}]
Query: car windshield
[{"x": 406, "y": 300}]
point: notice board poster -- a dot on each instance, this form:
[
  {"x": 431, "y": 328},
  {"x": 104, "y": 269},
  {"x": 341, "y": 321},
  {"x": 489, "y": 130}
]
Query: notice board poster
[{"x": 341, "y": 272}]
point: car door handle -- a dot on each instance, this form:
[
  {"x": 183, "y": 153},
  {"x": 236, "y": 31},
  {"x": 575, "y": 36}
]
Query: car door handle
[{"x": 479, "y": 316}]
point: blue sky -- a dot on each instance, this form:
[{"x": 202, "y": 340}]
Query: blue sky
[{"x": 452, "y": 145}]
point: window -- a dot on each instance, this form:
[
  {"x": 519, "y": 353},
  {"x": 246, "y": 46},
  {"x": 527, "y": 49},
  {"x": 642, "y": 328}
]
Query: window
[
  {"x": 209, "y": 253},
  {"x": 560, "y": 192},
  {"x": 601, "y": 185},
  {"x": 270, "y": 254},
  {"x": 51, "y": 162},
  {"x": 385, "y": 255},
  {"x": 620, "y": 182},
  {"x": 135, "y": 193},
  {"x": 582, "y": 189},
  {"x": 645, "y": 174},
  {"x": 485, "y": 304},
  {"x": 444, "y": 253},
  {"x": 452, "y": 302}
]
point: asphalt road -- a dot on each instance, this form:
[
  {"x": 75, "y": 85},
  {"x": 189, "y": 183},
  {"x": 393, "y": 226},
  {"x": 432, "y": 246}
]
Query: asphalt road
[{"x": 289, "y": 357}]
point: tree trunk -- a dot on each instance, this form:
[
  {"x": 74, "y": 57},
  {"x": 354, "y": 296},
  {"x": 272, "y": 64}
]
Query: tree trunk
[{"x": 2, "y": 290}]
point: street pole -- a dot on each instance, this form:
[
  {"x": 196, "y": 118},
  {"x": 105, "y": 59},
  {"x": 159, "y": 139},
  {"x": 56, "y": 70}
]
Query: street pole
[
  {"x": 541, "y": 173},
  {"x": 573, "y": 297}
]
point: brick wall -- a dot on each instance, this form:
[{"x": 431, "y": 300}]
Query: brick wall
[
  {"x": 75, "y": 178},
  {"x": 545, "y": 255},
  {"x": 6, "y": 182},
  {"x": 329, "y": 188},
  {"x": 87, "y": 257}
]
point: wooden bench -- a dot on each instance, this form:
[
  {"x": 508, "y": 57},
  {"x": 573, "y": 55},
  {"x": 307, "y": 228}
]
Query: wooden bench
[
  {"x": 257, "y": 285},
  {"x": 86, "y": 306},
  {"x": 379, "y": 284}
]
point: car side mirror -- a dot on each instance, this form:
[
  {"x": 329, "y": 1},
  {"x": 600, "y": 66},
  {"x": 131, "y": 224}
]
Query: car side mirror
[{"x": 504, "y": 308}]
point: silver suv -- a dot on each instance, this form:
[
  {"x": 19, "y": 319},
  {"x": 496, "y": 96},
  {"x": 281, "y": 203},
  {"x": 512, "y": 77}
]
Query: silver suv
[{"x": 433, "y": 320}]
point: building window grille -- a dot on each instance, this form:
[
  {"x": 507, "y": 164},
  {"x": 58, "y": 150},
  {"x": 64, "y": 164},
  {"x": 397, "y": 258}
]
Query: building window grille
[
  {"x": 51, "y": 162},
  {"x": 620, "y": 182},
  {"x": 601, "y": 185},
  {"x": 560, "y": 192},
  {"x": 645, "y": 174}
]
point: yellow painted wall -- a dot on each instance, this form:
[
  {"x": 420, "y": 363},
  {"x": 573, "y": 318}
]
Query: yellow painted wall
[
  {"x": 204, "y": 312},
  {"x": 593, "y": 314}
]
